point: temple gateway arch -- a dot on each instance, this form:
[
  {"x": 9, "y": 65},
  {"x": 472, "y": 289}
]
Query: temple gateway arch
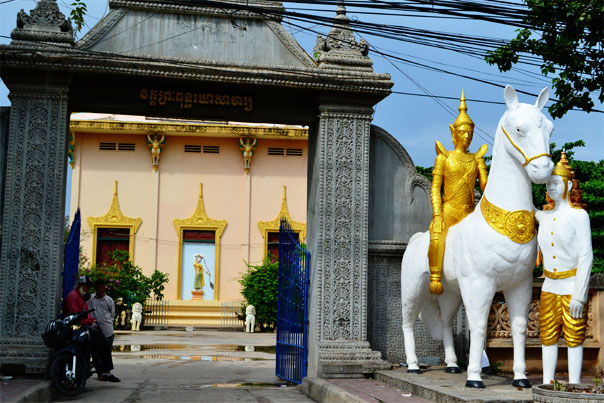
[{"x": 253, "y": 71}]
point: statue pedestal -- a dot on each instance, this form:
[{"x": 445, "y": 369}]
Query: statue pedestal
[{"x": 197, "y": 294}]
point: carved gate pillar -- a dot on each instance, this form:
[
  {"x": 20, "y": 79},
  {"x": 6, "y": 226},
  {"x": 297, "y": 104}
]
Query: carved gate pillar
[
  {"x": 31, "y": 257},
  {"x": 338, "y": 200},
  {"x": 33, "y": 219}
]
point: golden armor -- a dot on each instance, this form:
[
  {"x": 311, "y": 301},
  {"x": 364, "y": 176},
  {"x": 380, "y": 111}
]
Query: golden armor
[{"x": 452, "y": 194}]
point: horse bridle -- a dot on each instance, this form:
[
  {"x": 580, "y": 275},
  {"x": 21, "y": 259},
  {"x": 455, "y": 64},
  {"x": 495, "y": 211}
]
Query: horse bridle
[{"x": 527, "y": 160}]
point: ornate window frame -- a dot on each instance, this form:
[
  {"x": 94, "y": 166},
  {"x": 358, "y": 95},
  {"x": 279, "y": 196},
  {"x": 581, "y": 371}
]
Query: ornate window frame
[
  {"x": 114, "y": 218},
  {"x": 273, "y": 226},
  {"x": 201, "y": 222}
]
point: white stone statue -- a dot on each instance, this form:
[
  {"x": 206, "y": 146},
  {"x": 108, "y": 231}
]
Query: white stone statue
[
  {"x": 492, "y": 249},
  {"x": 565, "y": 243},
  {"x": 250, "y": 318},
  {"x": 137, "y": 316}
]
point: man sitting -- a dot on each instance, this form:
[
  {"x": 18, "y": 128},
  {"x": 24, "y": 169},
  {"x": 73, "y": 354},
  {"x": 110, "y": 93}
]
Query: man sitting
[{"x": 76, "y": 302}]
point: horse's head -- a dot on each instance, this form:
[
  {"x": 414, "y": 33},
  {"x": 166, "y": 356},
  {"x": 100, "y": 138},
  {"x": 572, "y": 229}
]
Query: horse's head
[{"x": 528, "y": 131}]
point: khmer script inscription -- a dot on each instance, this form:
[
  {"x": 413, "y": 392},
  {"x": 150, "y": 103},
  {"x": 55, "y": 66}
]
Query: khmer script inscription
[{"x": 186, "y": 100}]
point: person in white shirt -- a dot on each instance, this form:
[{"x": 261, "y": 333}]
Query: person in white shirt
[
  {"x": 104, "y": 314},
  {"x": 565, "y": 241}
]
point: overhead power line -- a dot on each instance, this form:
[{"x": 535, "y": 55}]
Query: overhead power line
[{"x": 473, "y": 46}]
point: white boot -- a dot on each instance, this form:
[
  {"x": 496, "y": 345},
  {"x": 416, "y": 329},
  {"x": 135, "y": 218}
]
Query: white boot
[
  {"x": 549, "y": 358},
  {"x": 575, "y": 363}
]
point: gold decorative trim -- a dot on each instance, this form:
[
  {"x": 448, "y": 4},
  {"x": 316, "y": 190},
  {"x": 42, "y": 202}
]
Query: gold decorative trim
[
  {"x": 273, "y": 226},
  {"x": 517, "y": 225},
  {"x": 527, "y": 159},
  {"x": 560, "y": 274},
  {"x": 201, "y": 222},
  {"x": 114, "y": 218},
  {"x": 188, "y": 129}
]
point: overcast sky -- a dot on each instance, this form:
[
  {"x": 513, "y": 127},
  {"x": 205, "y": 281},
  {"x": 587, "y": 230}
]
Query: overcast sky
[{"x": 416, "y": 121}]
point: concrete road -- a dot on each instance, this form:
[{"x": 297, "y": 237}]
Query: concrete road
[{"x": 198, "y": 366}]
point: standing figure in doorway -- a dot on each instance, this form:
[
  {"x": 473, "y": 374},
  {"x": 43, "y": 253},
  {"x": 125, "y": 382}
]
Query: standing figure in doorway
[
  {"x": 565, "y": 242},
  {"x": 199, "y": 282},
  {"x": 456, "y": 172}
]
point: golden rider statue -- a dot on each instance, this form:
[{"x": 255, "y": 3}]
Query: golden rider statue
[
  {"x": 455, "y": 172},
  {"x": 564, "y": 238}
]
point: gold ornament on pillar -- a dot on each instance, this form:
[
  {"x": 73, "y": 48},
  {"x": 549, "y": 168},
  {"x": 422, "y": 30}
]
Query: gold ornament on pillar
[
  {"x": 247, "y": 148},
  {"x": 155, "y": 146}
]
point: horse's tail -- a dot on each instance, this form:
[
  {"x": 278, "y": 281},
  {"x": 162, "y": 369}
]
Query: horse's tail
[{"x": 430, "y": 316}]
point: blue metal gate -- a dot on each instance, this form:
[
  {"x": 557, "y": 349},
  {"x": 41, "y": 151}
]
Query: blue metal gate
[{"x": 292, "y": 306}]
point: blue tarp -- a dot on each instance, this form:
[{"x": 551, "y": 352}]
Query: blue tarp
[{"x": 72, "y": 255}]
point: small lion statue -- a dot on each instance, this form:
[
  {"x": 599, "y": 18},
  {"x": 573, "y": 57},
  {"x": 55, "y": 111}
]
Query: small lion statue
[
  {"x": 250, "y": 318},
  {"x": 137, "y": 316}
]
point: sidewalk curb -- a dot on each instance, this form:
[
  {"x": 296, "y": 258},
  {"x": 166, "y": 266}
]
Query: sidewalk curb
[
  {"x": 322, "y": 391},
  {"x": 42, "y": 392}
]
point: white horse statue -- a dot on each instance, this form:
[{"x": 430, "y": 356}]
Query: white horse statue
[{"x": 484, "y": 256}]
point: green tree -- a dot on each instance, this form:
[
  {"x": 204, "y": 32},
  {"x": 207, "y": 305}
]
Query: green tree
[
  {"x": 260, "y": 287},
  {"x": 126, "y": 280},
  {"x": 77, "y": 14},
  {"x": 568, "y": 36},
  {"x": 591, "y": 175},
  {"x": 427, "y": 172}
]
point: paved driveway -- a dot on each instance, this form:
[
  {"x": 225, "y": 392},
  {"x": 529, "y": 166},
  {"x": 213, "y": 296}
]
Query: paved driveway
[{"x": 198, "y": 366}]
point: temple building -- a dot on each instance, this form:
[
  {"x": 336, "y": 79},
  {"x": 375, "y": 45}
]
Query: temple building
[{"x": 195, "y": 200}]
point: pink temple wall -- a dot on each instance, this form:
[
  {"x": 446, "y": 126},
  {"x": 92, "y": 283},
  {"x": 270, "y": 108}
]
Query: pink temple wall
[{"x": 225, "y": 193}]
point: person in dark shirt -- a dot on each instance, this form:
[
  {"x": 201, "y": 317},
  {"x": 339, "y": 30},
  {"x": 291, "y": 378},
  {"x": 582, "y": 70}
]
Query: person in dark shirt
[{"x": 77, "y": 301}]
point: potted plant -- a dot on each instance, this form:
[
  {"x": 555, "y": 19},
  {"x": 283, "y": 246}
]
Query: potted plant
[{"x": 568, "y": 392}]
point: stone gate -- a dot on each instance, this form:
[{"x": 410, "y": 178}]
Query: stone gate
[{"x": 233, "y": 62}]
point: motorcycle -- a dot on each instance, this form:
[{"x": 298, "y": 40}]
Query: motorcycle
[{"x": 70, "y": 364}]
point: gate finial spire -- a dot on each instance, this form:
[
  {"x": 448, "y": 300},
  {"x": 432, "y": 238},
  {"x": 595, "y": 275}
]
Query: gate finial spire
[
  {"x": 45, "y": 23},
  {"x": 340, "y": 50}
]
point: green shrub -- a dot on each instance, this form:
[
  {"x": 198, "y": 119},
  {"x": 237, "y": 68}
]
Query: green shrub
[
  {"x": 259, "y": 287},
  {"x": 126, "y": 280}
]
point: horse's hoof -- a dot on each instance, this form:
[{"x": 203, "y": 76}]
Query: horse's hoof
[
  {"x": 521, "y": 383},
  {"x": 475, "y": 384},
  {"x": 414, "y": 371},
  {"x": 453, "y": 370}
]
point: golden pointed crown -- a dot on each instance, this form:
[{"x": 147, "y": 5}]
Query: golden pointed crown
[
  {"x": 562, "y": 168},
  {"x": 463, "y": 119}
]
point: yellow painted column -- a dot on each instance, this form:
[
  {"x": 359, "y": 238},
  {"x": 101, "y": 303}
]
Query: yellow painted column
[
  {"x": 154, "y": 218},
  {"x": 246, "y": 207},
  {"x": 76, "y": 176}
]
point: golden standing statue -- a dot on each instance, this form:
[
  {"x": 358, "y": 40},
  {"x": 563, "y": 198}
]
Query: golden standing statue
[{"x": 452, "y": 194}]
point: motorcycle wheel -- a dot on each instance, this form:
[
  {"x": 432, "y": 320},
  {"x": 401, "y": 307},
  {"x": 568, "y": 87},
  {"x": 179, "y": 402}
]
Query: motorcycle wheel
[{"x": 58, "y": 375}]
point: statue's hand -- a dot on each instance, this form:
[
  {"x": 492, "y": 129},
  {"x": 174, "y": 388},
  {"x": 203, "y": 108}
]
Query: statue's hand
[
  {"x": 576, "y": 308},
  {"x": 438, "y": 224}
]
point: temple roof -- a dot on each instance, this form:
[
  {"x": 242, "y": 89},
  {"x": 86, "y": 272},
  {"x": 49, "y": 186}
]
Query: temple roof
[
  {"x": 234, "y": 42},
  {"x": 197, "y": 33}
]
